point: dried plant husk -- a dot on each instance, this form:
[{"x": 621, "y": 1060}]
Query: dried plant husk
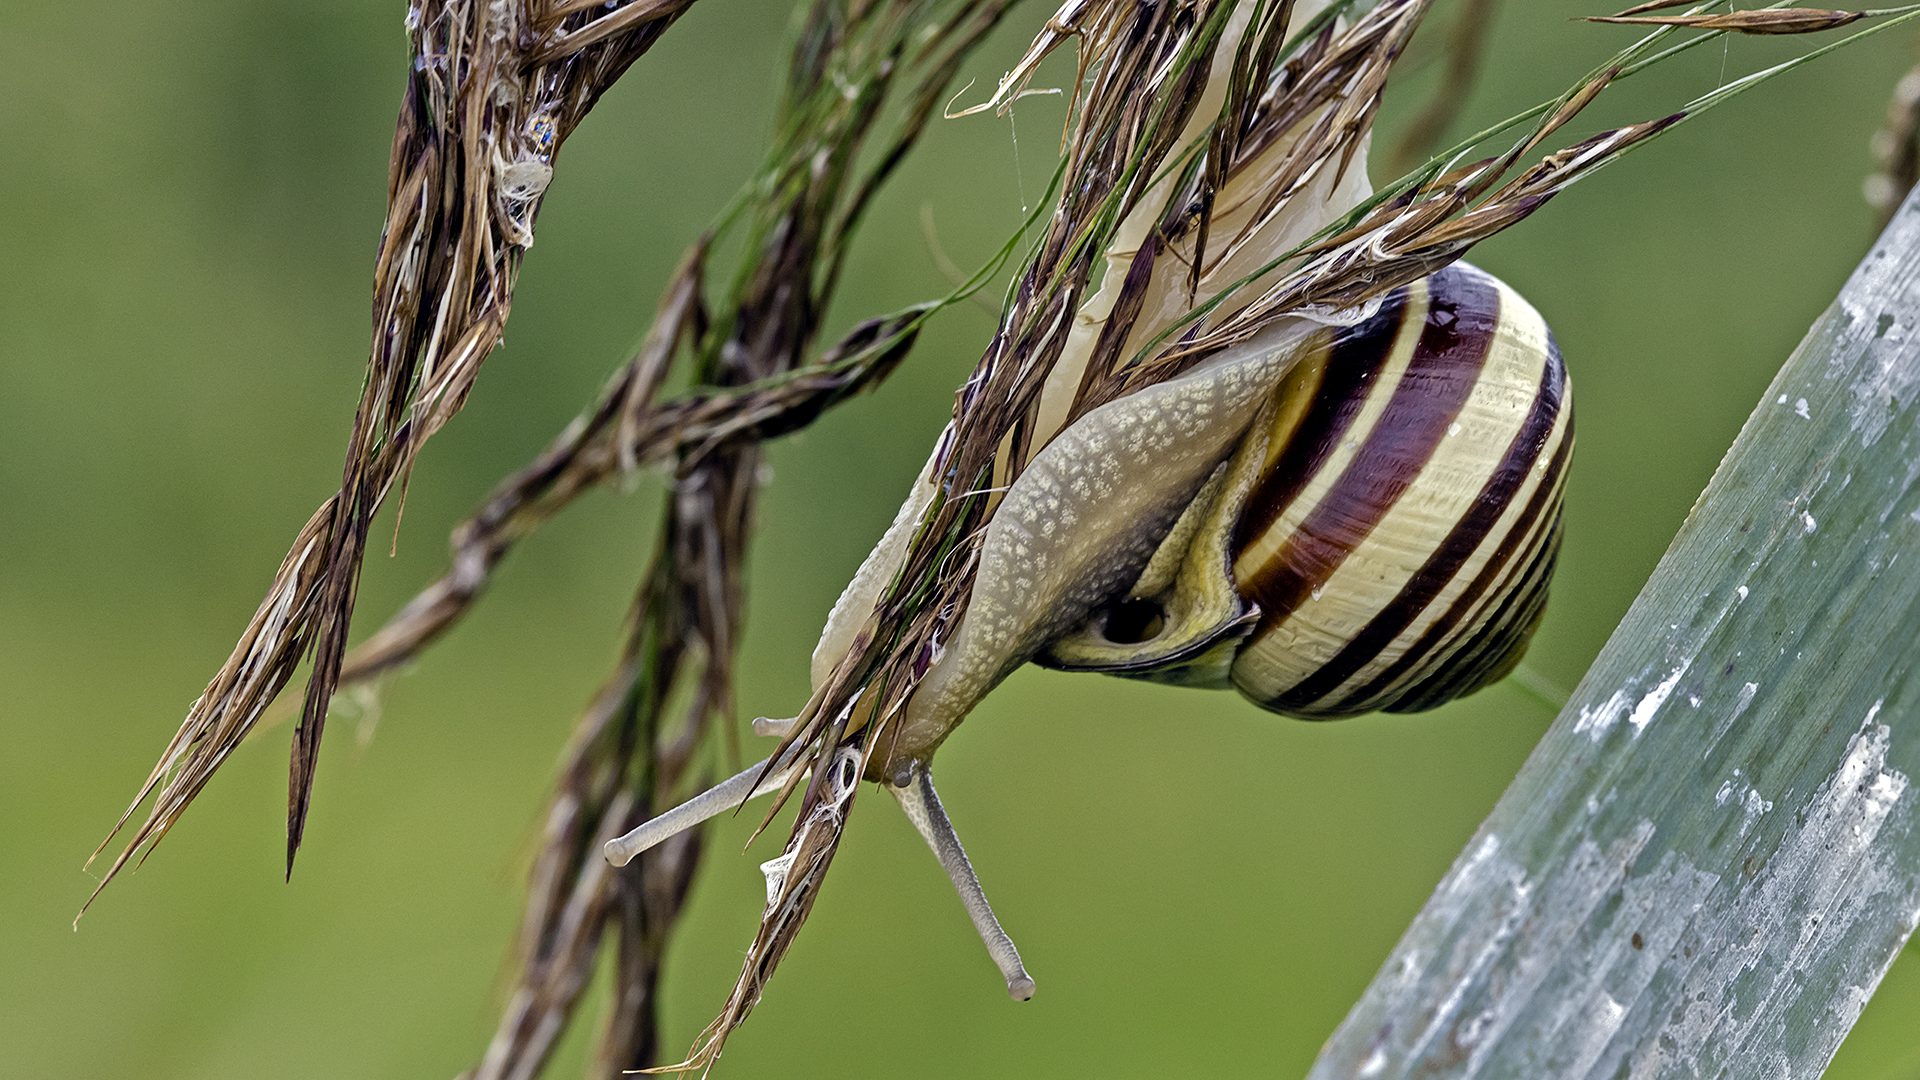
[
  {"x": 863, "y": 81},
  {"x": 630, "y": 428},
  {"x": 1214, "y": 181},
  {"x": 1205, "y": 106},
  {"x": 1768, "y": 21},
  {"x": 493, "y": 91}
]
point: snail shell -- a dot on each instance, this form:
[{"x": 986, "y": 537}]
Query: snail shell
[{"x": 1383, "y": 536}]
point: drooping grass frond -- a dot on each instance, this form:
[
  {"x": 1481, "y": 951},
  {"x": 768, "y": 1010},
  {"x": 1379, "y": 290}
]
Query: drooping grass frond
[
  {"x": 1214, "y": 183},
  {"x": 1776, "y": 21},
  {"x": 495, "y": 88},
  {"x": 628, "y": 429},
  {"x": 860, "y": 73},
  {"x": 1195, "y": 118}
]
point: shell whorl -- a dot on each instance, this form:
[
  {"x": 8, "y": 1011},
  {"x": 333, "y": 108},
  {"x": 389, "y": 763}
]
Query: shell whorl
[{"x": 1385, "y": 533}]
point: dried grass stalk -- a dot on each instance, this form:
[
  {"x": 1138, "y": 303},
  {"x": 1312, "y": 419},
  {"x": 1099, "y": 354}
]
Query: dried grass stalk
[
  {"x": 636, "y": 747},
  {"x": 1185, "y": 108},
  {"x": 494, "y": 90},
  {"x": 1776, "y": 21},
  {"x": 750, "y": 385},
  {"x": 1214, "y": 178},
  {"x": 629, "y": 429}
]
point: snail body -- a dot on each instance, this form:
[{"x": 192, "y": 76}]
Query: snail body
[
  {"x": 1333, "y": 514},
  {"x": 1383, "y": 537},
  {"x": 1330, "y": 519}
]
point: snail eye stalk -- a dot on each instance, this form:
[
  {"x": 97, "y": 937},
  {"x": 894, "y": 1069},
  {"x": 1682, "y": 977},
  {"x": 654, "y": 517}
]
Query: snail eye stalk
[
  {"x": 923, "y": 808},
  {"x": 712, "y": 802}
]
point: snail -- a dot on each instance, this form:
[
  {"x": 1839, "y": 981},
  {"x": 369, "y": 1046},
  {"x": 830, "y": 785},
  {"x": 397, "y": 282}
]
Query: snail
[
  {"x": 1383, "y": 538},
  {"x": 1330, "y": 519}
]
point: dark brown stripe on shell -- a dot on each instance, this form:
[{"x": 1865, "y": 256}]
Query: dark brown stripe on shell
[
  {"x": 1494, "y": 651},
  {"x": 1462, "y": 314},
  {"x": 1524, "y": 548},
  {"x": 1544, "y": 505},
  {"x": 1353, "y": 362},
  {"x": 1453, "y": 553}
]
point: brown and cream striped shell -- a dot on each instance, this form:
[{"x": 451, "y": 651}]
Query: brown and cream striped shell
[
  {"x": 1383, "y": 536},
  {"x": 1331, "y": 520}
]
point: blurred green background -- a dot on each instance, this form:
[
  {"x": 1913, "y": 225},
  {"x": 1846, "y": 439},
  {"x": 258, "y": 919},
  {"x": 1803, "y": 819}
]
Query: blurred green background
[{"x": 1197, "y": 886}]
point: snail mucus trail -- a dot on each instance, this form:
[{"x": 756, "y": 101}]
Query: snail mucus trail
[{"x": 1329, "y": 519}]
